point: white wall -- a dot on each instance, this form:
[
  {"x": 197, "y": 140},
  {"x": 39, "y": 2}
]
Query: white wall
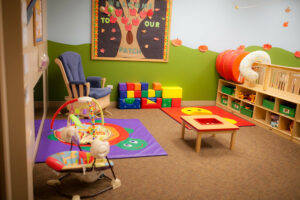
[{"x": 215, "y": 23}]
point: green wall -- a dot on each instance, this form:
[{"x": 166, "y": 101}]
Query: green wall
[{"x": 192, "y": 70}]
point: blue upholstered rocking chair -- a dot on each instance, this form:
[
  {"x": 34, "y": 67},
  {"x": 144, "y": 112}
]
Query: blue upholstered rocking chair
[{"x": 77, "y": 85}]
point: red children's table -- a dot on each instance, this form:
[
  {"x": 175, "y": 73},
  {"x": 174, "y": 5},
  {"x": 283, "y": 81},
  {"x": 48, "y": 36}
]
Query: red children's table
[{"x": 209, "y": 124}]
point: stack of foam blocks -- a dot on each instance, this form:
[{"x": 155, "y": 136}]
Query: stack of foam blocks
[{"x": 139, "y": 95}]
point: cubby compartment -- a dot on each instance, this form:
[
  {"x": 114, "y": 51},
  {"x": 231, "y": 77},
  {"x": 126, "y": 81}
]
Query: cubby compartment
[
  {"x": 224, "y": 100},
  {"x": 286, "y": 125},
  {"x": 228, "y": 89},
  {"x": 247, "y": 95},
  {"x": 236, "y": 104},
  {"x": 260, "y": 115},
  {"x": 273, "y": 119},
  {"x": 247, "y": 109},
  {"x": 287, "y": 108}
]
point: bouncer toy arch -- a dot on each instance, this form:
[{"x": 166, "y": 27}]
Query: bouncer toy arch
[{"x": 87, "y": 131}]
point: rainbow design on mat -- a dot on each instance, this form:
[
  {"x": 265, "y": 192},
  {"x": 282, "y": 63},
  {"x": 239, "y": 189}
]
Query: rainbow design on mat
[
  {"x": 139, "y": 95},
  {"x": 128, "y": 138}
]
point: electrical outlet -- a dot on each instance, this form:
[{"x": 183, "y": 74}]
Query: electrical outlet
[{"x": 110, "y": 86}]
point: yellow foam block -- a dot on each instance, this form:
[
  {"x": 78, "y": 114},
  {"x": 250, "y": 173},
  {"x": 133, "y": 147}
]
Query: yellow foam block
[
  {"x": 171, "y": 92},
  {"x": 151, "y": 93},
  {"x": 150, "y": 102},
  {"x": 130, "y": 94}
]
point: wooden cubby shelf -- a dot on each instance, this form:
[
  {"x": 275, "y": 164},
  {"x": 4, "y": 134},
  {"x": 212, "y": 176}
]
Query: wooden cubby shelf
[{"x": 277, "y": 113}]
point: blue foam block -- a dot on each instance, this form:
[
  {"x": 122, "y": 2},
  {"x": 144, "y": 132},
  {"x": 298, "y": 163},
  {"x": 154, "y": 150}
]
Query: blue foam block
[{"x": 135, "y": 105}]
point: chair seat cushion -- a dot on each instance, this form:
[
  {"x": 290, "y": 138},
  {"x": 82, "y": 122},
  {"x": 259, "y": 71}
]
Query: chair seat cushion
[
  {"x": 72, "y": 161},
  {"x": 99, "y": 92}
]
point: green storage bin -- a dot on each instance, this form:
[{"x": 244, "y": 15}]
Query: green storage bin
[
  {"x": 246, "y": 112},
  {"x": 236, "y": 106},
  {"x": 286, "y": 110},
  {"x": 268, "y": 104},
  {"x": 227, "y": 90},
  {"x": 224, "y": 101}
]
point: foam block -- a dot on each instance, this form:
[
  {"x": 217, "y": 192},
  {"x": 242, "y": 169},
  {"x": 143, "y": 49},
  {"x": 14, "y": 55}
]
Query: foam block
[
  {"x": 151, "y": 93},
  {"x": 130, "y": 86},
  {"x": 158, "y": 93},
  {"x": 137, "y": 86},
  {"x": 166, "y": 103},
  {"x": 123, "y": 94},
  {"x": 176, "y": 102},
  {"x": 156, "y": 86},
  {"x": 130, "y": 94},
  {"x": 153, "y": 99},
  {"x": 145, "y": 93},
  {"x": 144, "y": 86},
  {"x": 144, "y": 103},
  {"x": 130, "y": 103},
  {"x": 137, "y": 94},
  {"x": 171, "y": 92},
  {"x": 122, "y": 87}
]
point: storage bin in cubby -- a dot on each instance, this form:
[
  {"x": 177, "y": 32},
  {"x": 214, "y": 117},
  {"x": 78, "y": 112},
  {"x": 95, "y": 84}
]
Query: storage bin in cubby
[
  {"x": 247, "y": 112},
  {"x": 224, "y": 100},
  {"x": 228, "y": 89},
  {"x": 287, "y": 110},
  {"x": 236, "y": 105},
  {"x": 268, "y": 104}
]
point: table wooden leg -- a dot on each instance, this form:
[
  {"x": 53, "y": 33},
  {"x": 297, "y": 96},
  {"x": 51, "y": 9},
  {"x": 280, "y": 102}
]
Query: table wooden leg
[
  {"x": 198, "y": 143},
  {"x": 232, "y": 141},
  {"x": 183, "y": 130}
]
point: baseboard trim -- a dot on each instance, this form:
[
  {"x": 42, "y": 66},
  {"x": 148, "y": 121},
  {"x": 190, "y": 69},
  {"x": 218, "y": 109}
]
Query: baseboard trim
[{"x": 57, "y": 104}]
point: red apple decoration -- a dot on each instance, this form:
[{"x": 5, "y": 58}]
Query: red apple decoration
[
  {"x": 132, "y": 12},
  {"x": 297, "y": 54},
  {"x": 150, "y": 13},
  {"x": 124, "y": 20},
  {"x": 118, "y": 12},
  {"x": 135, "y": 22},
  {"x": 143, "y": 14},
  {"x": 128, "y": 27},
  {"x": 113, "y": 19}
]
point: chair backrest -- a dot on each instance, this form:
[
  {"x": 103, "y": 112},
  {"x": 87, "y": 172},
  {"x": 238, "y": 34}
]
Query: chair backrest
[
  {"x": 71, "y": 69},
  {"x": 72, "y": 65}
]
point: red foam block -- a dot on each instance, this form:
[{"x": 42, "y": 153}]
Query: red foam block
[{"x": 156, "y": 105}]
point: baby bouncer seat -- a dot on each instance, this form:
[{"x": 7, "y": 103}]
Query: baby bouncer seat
[{"x": 86, "y": 166}]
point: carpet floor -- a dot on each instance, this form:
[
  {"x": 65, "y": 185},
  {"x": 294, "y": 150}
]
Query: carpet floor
[{"x": 263, "y": 165}]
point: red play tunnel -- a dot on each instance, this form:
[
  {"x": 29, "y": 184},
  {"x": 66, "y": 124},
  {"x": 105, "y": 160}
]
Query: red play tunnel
[{"x": 228, "y": 63}]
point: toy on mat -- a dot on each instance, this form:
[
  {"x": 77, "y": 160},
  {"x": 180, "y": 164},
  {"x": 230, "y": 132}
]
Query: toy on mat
[{"x": 86, "y": 166}]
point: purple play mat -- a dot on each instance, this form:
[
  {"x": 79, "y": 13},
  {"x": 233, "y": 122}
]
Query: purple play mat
[{"x": 128, "y": 148}]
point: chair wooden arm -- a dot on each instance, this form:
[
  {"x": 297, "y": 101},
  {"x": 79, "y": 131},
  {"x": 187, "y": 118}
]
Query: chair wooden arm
[
  {"x": 62, "y": 70},
  {"x": 81, "y": 89},
  {"x": 103, "y": 81}
]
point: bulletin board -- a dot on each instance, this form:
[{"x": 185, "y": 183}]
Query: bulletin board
[{"x": 131, "y": 30}]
